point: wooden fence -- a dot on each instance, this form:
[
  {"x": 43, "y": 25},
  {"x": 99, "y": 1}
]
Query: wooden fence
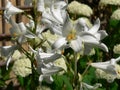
[{"x": 4, "y": 27}]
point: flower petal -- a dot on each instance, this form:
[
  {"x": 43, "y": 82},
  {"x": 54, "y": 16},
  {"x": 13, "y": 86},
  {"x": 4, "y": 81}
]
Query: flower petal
[
  {"x": 80, "y": 25},
  {"x": 67, "y": 27},
  {"x": 101, "y": 34},
  {"x": 96, "y": 27},
  {"x": 6, "y": 50},
  {"x": 40, "y": 5},
  {"x": 48, "y": 57},
  {"x": 105, "y": 66},
  {"x": 60, "y": 43},
  {"x": 56, "y": 10},
  {"x": 11, "y": 10},
  {"x": 76, "y": 44},
  {"x": 97, "y": 45}
]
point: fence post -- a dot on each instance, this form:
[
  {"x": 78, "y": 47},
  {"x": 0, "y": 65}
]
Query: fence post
[
  {"x": 3, "y": 22},
  {"x": 18, "y": 17}
]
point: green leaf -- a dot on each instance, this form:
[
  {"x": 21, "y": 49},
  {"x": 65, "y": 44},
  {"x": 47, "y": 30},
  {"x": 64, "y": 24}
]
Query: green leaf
[
  {"x": 90, "y": 76},
  {"x": 114, "y": 23},
  {"x": 2, "y": 83},
  {"x": 62, "y": 82},
  {"x": 21, "y": 80},
  {"x": 114, "y": 86}
]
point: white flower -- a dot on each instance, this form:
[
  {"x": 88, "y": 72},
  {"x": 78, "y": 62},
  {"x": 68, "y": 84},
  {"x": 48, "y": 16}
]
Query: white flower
[
  {"x": 11, "y": 10},
  {"x": 108, "y": 66},
  {"x": 43, "y": 4},
  {"x": 109, "y": 77},
  {"x": 85, "y": 86},
  {"x": 7, "y": 51},
  {"x": 20, "y": 32},
  {"x": 116, "y": 15},
  {"x": 79, "y": 9},
  {"x": 101, "y": 34},
  {"x": 56, "y": 9},
  {"x": 109, "y": 2},
  {"x": 47, "y": 70},
  {"x": 45, "y": 65},
  {"x": 116, "y": 49},
  {"x": 78, "y": 36},
  {"x": 54, "y": 15},
  {"x": 22, "y": 67}
]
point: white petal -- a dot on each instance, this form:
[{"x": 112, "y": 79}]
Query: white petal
[
  {"x": 90, "y": 87},
  {"x": 15, "y": 30},
  {"x": 88, "y": 37},
  {"x": 67, "y": 27},
  {"x": 96, "y": 27},
  {"x": 80, "y": 25},
  {"x": 41, "y": 78},
  {"x": 56, "y": 9},
  {"x": 40, "y": 5},
  {"x": 97, "y": 45},
  {"x": 50, "y": 70},
  {"x": 11, "y": 10},
  {"x": 47, "y": 15},
  {"x": 6, "y": 50},
  {"x": 60, "y": 43},
  {"x": 47, "y": 78},
  {"x": 22, "y": 27},
  {"x": 77, "y": 44},
  {"x": 117, "y": 59},
  {"x": 101, "y": 34},
  {"x": 105, "y": 66},
  {"x": 48, "y": 57},
  {"x": 8, "y": 60}
]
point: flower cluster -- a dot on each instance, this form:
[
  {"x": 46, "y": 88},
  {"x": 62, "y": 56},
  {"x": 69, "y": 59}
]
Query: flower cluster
[{"x": 48, "y": 35}]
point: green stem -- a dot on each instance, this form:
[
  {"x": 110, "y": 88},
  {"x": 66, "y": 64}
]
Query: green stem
[
  {"x": 68, "y": 65},
  {"x": 75, "y": 72},
  {"x": 85, "y": 71}
]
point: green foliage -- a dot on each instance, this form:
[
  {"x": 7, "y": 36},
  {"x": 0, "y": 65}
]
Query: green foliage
[{"x": 61, "y": 82}]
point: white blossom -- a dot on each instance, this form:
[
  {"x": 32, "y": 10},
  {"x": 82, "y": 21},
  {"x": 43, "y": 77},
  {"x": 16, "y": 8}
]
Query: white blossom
[
  {"x": 116, "y": 15},
  {"x": 109, "y": 67},
  {"x": 11, "y": 10},
  {"x": 45, "y": 65},
  {"x": 7, "y": 51},
  {"x": 78, "y": 36},
  {"x": 85, "y": 86},
  {"x": 22, "y": 67},
  {"x": 79, "y": 9},
  {"x": 109, "y": 2},
  {"x": 20, "y": 32},
  {"x": 109, "y": 77},
  {"x": 116, "y": 49}
]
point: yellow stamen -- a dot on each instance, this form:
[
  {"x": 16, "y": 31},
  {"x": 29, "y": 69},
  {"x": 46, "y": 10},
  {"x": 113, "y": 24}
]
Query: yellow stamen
[
  {"x": 71, "y": 35},
  {"x": 15, "y": 34}
]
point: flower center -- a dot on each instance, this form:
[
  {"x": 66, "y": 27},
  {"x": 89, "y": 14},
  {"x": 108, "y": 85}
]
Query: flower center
[
  {"x": 71, "y": 35},
  {"x": 15, "y": 34}
]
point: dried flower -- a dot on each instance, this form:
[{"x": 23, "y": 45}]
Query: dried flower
[
  {"x": 61, "y": 63},
  {"x": 116, "y": 15},
  {"x": 116, "y": 49},
  {"x": 109, "y": 2},
  {"x": 79, "y": 9},
  {"x": 22, "y": 67}
]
